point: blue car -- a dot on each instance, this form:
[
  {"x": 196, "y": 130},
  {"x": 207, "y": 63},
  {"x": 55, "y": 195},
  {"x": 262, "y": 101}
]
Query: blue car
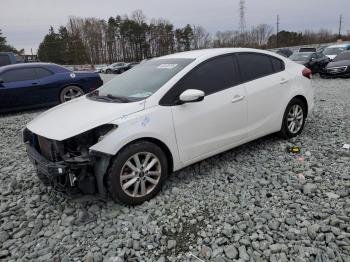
[{"x": 33, "y": 85}]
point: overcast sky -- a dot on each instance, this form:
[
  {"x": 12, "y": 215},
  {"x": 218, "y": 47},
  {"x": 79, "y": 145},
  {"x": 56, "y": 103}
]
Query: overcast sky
[{"x": 25, "y": 22}]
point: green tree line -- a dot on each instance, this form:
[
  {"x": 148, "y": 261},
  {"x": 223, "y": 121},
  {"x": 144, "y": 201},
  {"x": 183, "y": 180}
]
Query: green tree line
[
  {"x": 134, "y": 37},
  {"x": 5, "y": 47}
]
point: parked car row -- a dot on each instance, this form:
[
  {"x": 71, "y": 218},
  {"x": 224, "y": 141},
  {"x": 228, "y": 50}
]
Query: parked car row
[{"x": 328, "y": 61}]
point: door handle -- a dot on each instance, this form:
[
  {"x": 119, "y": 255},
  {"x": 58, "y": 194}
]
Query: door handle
[
  {"x": 237, "y": 98},
  {"x": 283, "y": 81}
]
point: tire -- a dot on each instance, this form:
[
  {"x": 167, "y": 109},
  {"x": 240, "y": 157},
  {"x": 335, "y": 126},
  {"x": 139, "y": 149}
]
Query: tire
[
  {"x": 137, "y": 184},
  {"x": 43, "y": 179},
  {"x": 70, "y": 92},
  {"x": 295, "y": 112},
  {"x": 108, "y": 71}
]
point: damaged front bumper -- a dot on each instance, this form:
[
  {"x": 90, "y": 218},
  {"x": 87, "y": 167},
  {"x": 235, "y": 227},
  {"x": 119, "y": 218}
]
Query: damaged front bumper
[{"x": 82, "y": 174}]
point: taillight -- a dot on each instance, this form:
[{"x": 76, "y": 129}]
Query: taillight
[{"x": 307, "y": 73}]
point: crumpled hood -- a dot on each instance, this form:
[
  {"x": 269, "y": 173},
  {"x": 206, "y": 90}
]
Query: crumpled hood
[{"x": 79, "y": 115}]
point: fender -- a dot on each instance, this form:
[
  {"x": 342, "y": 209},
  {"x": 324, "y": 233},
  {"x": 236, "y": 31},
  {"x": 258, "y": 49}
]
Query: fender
[{"x": 141, "y": 125}]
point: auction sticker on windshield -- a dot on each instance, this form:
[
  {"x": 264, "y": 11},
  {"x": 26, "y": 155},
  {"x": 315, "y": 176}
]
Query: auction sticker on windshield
[{"x": 167, "y": 66}]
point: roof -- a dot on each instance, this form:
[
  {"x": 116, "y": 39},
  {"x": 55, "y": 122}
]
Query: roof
[
  {"x": 213, "y": 52},
  {"x": 24, "y": 65}
]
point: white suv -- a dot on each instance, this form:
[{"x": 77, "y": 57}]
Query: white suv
[{"x": 126, "y": 137}]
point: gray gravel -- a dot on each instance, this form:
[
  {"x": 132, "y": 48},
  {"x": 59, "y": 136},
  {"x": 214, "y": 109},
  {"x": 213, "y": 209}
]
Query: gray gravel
[{"x": 253, "y": 203}]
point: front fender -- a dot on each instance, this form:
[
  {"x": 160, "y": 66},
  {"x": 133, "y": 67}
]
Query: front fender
[{"x": 155, "y": 123}]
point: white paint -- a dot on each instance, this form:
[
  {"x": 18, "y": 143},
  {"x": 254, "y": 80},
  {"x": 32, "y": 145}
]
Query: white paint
[{"x": 191, "y": 131}]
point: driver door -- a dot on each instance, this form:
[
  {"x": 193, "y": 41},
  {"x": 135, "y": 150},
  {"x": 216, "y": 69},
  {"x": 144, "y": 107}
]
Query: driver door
[{"x": 204, "y": 128}]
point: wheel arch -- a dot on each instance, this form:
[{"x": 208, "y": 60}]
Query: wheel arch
[
  {"x": 304, "y": 100},
  {"x": 160, "y": 144}
]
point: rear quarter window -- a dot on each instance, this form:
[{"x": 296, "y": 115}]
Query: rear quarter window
[
  {"x": 255, "y": 65},
  {"x": 277, "y": 64},
  {"x": 42, "y": 72}
]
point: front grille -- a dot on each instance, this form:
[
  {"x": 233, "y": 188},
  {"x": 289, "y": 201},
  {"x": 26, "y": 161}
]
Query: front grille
[{"x": 337, "y": 70}]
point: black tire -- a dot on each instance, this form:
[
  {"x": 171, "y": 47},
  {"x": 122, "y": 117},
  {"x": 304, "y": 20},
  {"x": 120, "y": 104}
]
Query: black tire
[
  {"x": 43, "y": 179},
  {"x": 113, "y": 179},
  {"x": 108, "y": 71},
  {"x": 285, "y": 130},
  {"x": 66, "y": 90}
]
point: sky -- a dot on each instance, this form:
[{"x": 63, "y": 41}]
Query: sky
[{"x": 25, "y": 22}]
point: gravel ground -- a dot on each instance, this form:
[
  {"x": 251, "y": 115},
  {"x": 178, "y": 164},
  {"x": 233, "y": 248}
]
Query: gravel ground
[{"x": 253, "y": 203}]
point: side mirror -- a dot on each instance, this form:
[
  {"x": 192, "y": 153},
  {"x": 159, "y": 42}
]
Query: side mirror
[{"x": 191, "y": 95}]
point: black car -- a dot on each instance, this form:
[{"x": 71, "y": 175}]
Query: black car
[
  {"x": 339, "y": 67},
  {"x": 316, "y": 62},
  {"x": 284, "y": 52},
  {"x": 123, "y": 68}
]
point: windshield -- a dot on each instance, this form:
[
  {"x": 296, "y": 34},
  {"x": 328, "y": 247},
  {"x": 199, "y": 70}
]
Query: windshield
[
  {"x": 300, "y": 56},
  {"x": 333, "y": 50},
  {"x": 342, "y": 56},
  {"x": 141, "y": 81}
]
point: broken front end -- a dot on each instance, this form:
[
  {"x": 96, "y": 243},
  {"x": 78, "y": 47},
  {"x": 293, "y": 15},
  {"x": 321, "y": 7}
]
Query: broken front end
[{"x": 69, "y": 166}]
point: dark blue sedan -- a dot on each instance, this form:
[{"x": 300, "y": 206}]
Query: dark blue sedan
[{"x": 42, "y": 84}]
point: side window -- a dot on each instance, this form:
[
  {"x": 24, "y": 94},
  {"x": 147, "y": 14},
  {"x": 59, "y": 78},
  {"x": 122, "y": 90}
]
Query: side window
[
  {"x": 212, "y": 76},
  {"x": 42, "y": 72},
  {"x": 277, "y": 64},
  {"x": 254, "y": 65},
  {"x": 4, "y": 60},
  {"x": 22, "y": 74}
]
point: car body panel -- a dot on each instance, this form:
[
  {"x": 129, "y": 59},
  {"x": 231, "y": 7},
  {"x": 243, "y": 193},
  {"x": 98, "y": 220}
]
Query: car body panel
[
  {"x": 214, "y": 123},
  {"x": 68, "y": 120}
]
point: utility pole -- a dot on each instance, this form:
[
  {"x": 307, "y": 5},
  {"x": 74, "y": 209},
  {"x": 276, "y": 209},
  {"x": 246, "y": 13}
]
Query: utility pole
[
  {"x": 340, "y": 24},
  {"x": 242, "y": 16},
  {"x": 278, "y": 29},
  {"x": 242, "y": 21}
]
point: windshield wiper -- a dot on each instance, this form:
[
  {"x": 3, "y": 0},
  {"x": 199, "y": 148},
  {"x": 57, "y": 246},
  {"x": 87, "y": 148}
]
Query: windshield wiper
[
  {"x": 109, "y": 97},
  {"x": 118, "y": 98}
]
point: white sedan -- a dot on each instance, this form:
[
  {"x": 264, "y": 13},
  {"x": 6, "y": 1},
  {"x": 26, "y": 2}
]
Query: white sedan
[{"x": 167, "y": 113}]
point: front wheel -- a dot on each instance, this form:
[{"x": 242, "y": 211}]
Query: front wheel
[
  {"x": 137, "y": 173},
  {"x": 294, "y": 118}
]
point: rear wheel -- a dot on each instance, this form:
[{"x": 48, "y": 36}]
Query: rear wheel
[
  {"x": 70, "y": 92},
  {"x": 137, "y": 173},
  {"x": 294, "y": 118},
  {"x": 108, "y": 71}
]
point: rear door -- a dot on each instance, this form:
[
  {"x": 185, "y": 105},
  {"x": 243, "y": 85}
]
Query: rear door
[
  {"x": 266, "y": 82},
  {"x": 18, "y": 88},
  {"x": 206, "y": 127}
]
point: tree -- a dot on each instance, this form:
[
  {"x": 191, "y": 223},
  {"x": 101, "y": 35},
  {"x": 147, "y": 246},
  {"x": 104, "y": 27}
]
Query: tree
[{"x": 5, "y": 47}]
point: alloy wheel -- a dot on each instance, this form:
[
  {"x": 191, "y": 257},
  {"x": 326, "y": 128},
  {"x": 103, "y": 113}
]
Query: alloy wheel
[
  {"x": 140, "y": 174},
  {"x": 72, "y": 93},
  {"x": 295, "y": 119}
]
